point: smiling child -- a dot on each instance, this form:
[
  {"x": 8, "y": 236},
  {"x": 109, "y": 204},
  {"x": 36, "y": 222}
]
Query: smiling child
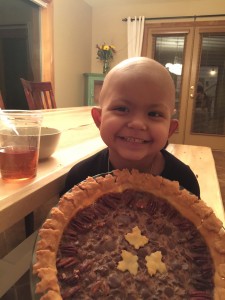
[{"x": 135, "y": 120}]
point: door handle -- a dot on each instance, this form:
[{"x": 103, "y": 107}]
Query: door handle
[{"x": 192, "y": 94}]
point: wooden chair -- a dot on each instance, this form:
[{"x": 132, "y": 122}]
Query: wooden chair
[
  {"x": 2, "y": 105},
  {"x": 39, "y": 95}
]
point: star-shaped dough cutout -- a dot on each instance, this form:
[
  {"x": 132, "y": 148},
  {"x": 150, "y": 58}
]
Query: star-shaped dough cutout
[
  {"x": 154, "y": 263},
  {"x": 129, "y": 262},
  {"x": 135, "y": 238}
]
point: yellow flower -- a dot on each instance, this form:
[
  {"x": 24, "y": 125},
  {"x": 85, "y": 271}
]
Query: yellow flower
[{"x": 105, "y": 52}]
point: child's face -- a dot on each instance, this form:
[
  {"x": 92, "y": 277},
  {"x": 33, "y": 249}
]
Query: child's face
[{"x": 135, "y": 120}]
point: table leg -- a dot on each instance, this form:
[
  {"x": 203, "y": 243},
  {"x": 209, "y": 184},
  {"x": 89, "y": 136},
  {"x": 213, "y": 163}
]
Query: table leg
[{"x": 29, "y": 224}]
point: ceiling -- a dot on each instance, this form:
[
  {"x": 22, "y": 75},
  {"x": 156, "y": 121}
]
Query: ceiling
[{"x": 95, "y": 3}]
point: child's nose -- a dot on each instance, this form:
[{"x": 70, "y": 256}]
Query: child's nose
[{"x": 137, "y": 123}]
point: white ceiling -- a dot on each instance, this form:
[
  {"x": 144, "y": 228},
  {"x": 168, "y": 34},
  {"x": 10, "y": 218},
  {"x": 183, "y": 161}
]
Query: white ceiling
[{"x": 95, "y": 3}]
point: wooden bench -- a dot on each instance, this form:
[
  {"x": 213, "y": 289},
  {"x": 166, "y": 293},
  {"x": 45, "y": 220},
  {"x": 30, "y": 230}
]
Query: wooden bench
[{"x": 201, "y": 161}]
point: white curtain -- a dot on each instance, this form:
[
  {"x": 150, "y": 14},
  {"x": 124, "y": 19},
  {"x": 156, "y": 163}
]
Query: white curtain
[{"x": 135, "y": 30}]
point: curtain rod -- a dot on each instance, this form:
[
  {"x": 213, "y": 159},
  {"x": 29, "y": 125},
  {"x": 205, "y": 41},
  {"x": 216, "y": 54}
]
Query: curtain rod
[{"x": 178, "y": 17}]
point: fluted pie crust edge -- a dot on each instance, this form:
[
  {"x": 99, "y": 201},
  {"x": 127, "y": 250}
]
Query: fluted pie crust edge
[{"x": 88, "y": 191}]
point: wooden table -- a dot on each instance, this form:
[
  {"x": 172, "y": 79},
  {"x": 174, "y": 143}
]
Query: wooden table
[{"x": 19, "y": 199}]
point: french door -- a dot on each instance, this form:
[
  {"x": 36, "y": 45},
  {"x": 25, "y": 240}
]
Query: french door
[{"x": 194, "y": 53}]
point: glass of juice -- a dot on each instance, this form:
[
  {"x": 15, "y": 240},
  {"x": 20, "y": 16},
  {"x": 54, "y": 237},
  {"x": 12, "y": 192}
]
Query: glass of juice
[{"x": 19, "y": 144}]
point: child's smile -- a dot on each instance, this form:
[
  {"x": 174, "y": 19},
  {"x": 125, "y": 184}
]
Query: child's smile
[{"x": 134, "y": 140}]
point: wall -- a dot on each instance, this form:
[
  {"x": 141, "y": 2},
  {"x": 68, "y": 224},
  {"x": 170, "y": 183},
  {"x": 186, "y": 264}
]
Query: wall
[
  {"x": 72, "y": 43},
  {"x": 78, "y": 28},
  {"x": 107, "y": 25}
]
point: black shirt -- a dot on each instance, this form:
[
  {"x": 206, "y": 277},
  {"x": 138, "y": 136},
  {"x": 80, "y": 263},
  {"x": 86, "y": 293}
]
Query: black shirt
[{"x": 98, "y": 164}]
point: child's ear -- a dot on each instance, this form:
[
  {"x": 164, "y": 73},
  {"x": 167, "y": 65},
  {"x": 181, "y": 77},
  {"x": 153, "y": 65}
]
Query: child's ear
[
  {"x": 96, "y": 115},
  {"x": 173, "y": 126}
]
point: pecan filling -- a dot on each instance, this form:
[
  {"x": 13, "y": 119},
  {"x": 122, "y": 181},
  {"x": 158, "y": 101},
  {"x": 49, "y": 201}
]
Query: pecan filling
[{"x": 91, "y": 246}]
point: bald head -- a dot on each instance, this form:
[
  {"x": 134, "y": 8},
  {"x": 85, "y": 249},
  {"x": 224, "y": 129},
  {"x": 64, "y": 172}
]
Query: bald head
[{"x": 138, "y": 69}]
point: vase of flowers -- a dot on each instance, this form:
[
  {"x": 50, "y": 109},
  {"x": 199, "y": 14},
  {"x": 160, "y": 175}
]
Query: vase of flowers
[
  {"x": 105, "y": 54},
  {"x": 106, "y": 66}
]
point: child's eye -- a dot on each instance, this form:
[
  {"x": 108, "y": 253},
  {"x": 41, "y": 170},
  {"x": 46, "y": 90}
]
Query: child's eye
[
  {"x": 121, "y": 108},
  {"x": 154, "y": 114}
]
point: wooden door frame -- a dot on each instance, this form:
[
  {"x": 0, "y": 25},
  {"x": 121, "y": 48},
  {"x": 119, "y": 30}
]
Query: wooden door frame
[
  {"x": 172, "y": 28},
  {"x": 198, "y": 138},
  {"x": 185, "y": 29},
  {"x": 47, "y": 51}
]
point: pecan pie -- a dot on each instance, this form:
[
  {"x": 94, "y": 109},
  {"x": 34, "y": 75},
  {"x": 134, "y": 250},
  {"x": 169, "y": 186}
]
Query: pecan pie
[{"x": 129, "y": 235}]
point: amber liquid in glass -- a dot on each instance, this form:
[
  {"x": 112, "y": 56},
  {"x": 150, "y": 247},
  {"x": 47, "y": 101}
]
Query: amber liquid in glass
[{"x": 18, "y": 163}]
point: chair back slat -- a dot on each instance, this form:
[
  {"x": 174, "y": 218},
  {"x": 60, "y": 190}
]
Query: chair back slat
[{"x": 28, "y": 93}]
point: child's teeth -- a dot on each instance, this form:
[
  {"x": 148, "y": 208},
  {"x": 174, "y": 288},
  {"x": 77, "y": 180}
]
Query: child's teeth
[{"x": 134, "y": 140}]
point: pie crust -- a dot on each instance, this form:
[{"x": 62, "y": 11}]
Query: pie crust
[{"x": 87, "y": 192}]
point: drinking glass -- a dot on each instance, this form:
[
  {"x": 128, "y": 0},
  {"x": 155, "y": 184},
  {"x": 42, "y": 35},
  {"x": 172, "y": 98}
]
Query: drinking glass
[{"x": 19, "y": 144}]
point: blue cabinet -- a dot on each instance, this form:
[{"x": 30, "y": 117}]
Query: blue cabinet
[{"x": 92, "y": 87}]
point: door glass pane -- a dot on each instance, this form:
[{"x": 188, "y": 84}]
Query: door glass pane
[
  {"x": 169, "y": 52},
  {"x": 209, "y": 107}
]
